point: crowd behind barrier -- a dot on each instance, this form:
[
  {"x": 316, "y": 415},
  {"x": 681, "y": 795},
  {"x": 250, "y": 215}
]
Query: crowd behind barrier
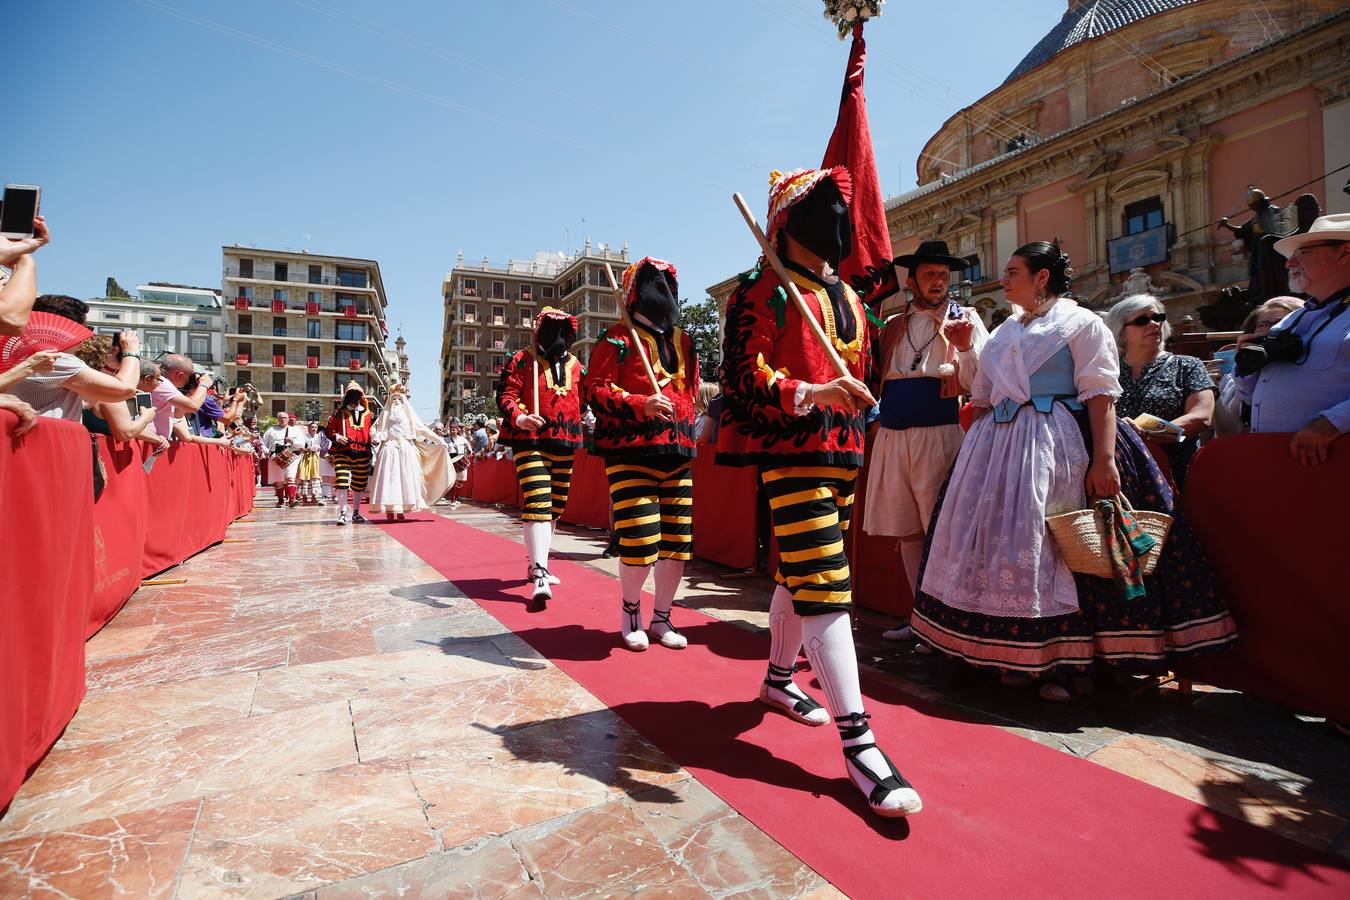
[
  {"x": 70, "y": 562},
  {"x": 1250, "y": 503}
]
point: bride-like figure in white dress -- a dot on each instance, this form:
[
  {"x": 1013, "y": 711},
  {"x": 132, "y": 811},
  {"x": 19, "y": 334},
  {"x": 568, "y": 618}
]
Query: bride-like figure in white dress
[{"x": 400, "y": 485}]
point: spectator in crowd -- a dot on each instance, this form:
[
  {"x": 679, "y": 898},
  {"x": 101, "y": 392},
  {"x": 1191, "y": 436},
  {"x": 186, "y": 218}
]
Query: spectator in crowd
[
  {"x": 214, "y": 416},
  {"x": 62, "y": 391},
  {"x": 37, "y": 363},
  {"x": 1297, "y": 378},
  {"x": 18, "y": 290},
  {"x": 1152, "y": 380},
  {"x": 479, "y": 437},
  {"x": 1232, "y": 416},
  {"x": 457, "y": 445},
  {"x": 177, "y": 374},
  {"x": 113, "y": 417}
]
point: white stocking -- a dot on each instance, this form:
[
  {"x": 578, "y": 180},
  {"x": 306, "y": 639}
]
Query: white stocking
[
  {"x": 829, "y": 646},
  {"x": 343, "y": 498},
  {"x": 537, "y": 539},
  {"x": 631, "y": 580},
  {"x": 668, "y": 575},
  {"x": 785, "y": 642}
]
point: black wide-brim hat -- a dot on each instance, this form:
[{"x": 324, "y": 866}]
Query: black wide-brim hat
[{"x": 932, "y": 252}]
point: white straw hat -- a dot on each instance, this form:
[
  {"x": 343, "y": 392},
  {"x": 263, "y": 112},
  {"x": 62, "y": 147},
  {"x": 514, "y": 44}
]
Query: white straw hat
[{"x": 1327, "y": 228}]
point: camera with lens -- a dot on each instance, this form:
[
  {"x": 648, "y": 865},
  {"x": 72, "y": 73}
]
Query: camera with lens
[{"x": 1278, "y": 346}]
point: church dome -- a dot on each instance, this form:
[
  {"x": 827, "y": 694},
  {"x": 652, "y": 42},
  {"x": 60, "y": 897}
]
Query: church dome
[{"x": 1088, "y": 19}]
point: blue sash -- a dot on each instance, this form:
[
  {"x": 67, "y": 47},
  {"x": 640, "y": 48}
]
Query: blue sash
[{"x": 917, "y": 403}]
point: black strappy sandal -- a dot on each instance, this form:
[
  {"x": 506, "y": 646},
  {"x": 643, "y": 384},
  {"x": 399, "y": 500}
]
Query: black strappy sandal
[
  {"x": 664, "y": 619},
  {"x": 803, "y": 709},
  {"x": 882, "y": 787},
  {"x": 633, "y": 610}
]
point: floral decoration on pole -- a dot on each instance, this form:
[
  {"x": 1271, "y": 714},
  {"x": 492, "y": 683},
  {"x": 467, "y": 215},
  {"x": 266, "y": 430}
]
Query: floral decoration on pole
[{"x": 845, "y": 14}]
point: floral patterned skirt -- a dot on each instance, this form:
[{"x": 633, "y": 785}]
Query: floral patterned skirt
[{"x": 1181, "y": 614}]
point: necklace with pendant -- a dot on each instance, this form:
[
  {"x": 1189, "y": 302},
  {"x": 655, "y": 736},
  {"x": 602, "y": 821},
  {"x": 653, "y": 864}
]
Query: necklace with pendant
[{"x": 918, "y": 351}]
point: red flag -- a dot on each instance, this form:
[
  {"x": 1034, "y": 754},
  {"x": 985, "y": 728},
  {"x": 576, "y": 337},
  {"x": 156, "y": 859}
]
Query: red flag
[{"x": 851, "y": 145}]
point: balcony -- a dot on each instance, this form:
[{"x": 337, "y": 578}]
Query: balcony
[
  {"x": 264, "y": 273},
  {"x": 311, "y": 308},
  {"x": 241, "y": 303},
  {"x": 354, "y": 364},
  {"x": 205, "y": 359},
  {"x": 311, "y": 362},
  {"x": 241, "y": 359},
  {"x": 278, "y": 360},
  {"x": 348, "y": 312},
  {"x": 278, "y": 306}
]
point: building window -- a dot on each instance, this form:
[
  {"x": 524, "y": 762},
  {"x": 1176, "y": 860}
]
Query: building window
[
  {"x": 526, "y": 293},
  {"x": 278, "y": 382},
  {"x": 278, "y": 326},
  {"x": 158, "y": 319},
  {"x": 246, "y": 293},
  {"x": 245, "y": 268},
  {"x": 470, "y": 312},
  {"x": 1143, "y": 215},
  {"x": 498, "y": 315},
  {"x": 242, "y": 377},
  {"x": 352, "y": 277},
  {"x": 244, "y": 350},
  {"x": 350, "y": 331},
  {"x": 312, "y": 351},
  {"x": 278, "y": 293},
  {"x": 156, "y": 343},
  {"x": 280, "y": 272},
  {"x": 245, "y": 324},
  {"x": 112, "y": 315},
  {"x": 201, "y": 349},
  {"x": 311, "y": 382},
  {"x": 200, "y": 323},
  {"x": 498, "y": 290},
  {"x": 468, "y": 287},
  {"x": 546, "y": 292},
  {"x": 974, "y": 272},
  {"x": 525, "y": 319},
  {"x": 312, "y": 328},
  {"x": 313, "y": 296},
  {"x": 315, "y": 277},
  {"x": 278, "y": 406}
]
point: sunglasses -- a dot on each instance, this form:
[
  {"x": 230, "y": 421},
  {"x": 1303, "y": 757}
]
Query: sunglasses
[{"x": 1141, "y": 321}]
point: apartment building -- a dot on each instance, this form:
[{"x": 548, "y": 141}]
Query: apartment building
[
  {"x": 490, "y": 312},
  {"x": 299, "y": 326},
  {"x": 171, "y": 318}
]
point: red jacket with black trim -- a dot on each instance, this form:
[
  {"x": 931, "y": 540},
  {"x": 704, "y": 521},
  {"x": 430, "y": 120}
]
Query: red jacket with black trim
[
  {"x": 358, "y": 436},
  {"x": 561, "y": 402},
  {"x": 767, "y": 352},
  {"x": 617, "y": 389}
]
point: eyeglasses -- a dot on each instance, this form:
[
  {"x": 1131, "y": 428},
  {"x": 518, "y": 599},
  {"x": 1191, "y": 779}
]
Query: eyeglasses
[
  {"x": 1298, "y": 254},
  {"x": 1141, "y": 321}
]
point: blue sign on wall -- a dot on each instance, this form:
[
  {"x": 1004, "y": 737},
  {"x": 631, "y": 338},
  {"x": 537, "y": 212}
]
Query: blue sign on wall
[{"x": 1142, "y": 249}]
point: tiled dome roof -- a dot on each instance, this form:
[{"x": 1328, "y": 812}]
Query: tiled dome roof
[{"x": 1089, "y": 19}]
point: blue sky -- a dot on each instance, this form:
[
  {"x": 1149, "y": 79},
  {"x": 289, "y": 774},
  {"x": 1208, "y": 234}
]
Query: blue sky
[{"x": 407, "y": 130}]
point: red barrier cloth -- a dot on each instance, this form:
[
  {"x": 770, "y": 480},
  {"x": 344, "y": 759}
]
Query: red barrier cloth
[
  {"x": 875, "y": 568},
  {"x": 724, "y": 512},
  {"x": 120, "y": 517},
  {"x": 588, "y": 496},
  {"x": 1275, "y": 533},
  {"x": 46, "y": 479},
  {"x": 189, "y": 506},
  {"x": 494, "y": 481}
]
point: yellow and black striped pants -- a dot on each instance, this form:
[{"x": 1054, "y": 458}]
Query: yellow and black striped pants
[
  {"x": 810, "y": 507},
  {"x": 653, "y": 506},
  {"x": 544, "y": 476},
  {"x": 351, "y": 470}
]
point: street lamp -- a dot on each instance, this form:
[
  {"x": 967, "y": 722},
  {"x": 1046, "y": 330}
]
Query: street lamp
[{"x": 961, "y": 293}]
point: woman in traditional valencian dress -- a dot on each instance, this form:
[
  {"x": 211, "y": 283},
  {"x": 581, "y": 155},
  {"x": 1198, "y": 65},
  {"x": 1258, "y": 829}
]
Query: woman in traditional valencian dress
[{"x": 994, "y": 590}]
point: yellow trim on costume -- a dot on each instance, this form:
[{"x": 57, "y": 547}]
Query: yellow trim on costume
[
  {"x": 811, "y": 595},
  {"x": 852, "y": 351},
  {"x": 812, "y": 553},
  {"x": 796, "y": 497},
  {"x": 678, "y": 520},
  {"x": 656, "y": 473},
  {"x": 654, "y": 357},
  {"x": 770, "y": 375},
  {"x": 826, "y": 577},
  {"x": 547, "y": 370},
  {"x": 639, "y": 541},
  {"x": 805, "y": 525},
  {"x": 679, "y": 501},
  {"x": 634, "y": 523},
  {"x": 636, "y": 501},
  {"x": 809, "y": 472}
]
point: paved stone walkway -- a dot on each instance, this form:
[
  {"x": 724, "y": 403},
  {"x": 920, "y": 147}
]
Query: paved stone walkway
[{"x": 315, "y": 712}]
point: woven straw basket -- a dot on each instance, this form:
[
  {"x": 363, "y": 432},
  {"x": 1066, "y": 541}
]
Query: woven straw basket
[{"x": 1081, "y": 538}]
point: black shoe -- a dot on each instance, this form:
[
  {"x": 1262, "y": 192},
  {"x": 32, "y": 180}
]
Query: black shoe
[
  {"x": 358, "y": 518},
  {"x": 612, "y": 549}
]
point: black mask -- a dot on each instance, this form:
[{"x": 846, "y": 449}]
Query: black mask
[
  {"x": 656, "y": 297},
  {"x": 554, "y": 337},
  {"x": 820, "y": 223},
  {"x": 351, "y": 397}
]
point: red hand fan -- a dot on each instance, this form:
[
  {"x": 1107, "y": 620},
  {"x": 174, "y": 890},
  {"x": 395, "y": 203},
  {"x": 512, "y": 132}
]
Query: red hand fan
[{"x": 45, "y": 331}]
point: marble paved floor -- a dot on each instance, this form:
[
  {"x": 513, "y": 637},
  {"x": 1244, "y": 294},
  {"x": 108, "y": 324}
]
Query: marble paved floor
[{"x": 315, "y": 712}]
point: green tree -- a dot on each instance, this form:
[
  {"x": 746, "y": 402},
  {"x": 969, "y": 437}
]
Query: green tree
[
  {"x": 699, "y": 320},
  {"x": 114, "y": 291}
]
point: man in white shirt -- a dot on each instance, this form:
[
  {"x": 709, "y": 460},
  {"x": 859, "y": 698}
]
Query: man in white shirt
[
  {"x": 929, "y": 353},
  {"x": 284, "y": 444},
  {"x": 167, "y": 397}
]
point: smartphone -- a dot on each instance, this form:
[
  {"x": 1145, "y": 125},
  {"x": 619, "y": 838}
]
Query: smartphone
[
  {"x": 19, "y": 210},
  {"x": 141, "y": 401}
]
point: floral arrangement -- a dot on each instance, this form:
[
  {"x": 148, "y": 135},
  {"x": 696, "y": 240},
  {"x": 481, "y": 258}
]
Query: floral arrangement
[{"x": 847, "y": 13}]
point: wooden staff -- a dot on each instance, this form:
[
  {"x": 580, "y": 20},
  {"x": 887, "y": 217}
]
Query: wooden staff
[
  {"x": 772, "y": 256},
  {"x": 627, "y": 320}
]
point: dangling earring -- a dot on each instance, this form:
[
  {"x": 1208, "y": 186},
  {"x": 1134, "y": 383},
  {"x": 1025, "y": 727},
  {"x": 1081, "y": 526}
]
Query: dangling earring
[{"x": 1042, "y": 295}]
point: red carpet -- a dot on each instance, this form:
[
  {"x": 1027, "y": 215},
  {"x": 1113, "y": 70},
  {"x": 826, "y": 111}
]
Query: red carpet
[{"x": 1003, "y": 815}]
